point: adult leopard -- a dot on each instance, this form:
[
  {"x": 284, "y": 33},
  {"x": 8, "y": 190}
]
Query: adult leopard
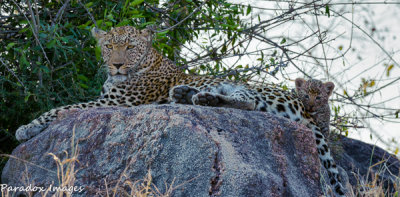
[{"x": 155, "y": 79}]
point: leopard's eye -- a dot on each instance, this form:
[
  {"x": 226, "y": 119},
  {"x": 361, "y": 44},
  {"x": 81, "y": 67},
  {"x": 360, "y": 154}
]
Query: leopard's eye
[
  {"x": 109, "y": 46},
  {"x": 318, "y": 97},
  {"x": 307, "y": 96},
  {"x": 130, "y": 46}
]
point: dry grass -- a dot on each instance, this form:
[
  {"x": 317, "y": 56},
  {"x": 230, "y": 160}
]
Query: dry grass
[
  {"x": 66, "y": 172},
  {"x": 374, "y": 187},
  {"x": 141, "y": 188},
  {"x": 370, "y": 185}
]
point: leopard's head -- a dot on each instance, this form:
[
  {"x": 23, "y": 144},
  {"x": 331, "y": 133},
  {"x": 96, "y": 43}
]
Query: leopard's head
[
  {"x": 122, "y": 48},
  {"x": 313, "y": 93}
]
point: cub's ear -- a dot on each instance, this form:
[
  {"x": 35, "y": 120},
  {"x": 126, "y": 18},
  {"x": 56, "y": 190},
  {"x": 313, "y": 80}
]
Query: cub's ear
[
  {"x": 299, "y": 83},
  {"x": 98, "y": 34},
  {"x": 329, "y": 86}
]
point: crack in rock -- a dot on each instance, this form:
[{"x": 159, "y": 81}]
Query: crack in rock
[{"x": 216, "y": 181}]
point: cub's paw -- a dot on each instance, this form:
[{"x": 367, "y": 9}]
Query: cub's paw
[
  {"x": 28, "y": 131},
  {"x": 206, "y": 99},
  {"x": 182, "y": 94}
]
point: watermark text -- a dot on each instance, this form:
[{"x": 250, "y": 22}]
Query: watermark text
[{"x": 32, "y": 188}]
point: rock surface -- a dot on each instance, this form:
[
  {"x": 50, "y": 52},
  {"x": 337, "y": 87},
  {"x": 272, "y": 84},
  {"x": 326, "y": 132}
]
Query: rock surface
[{"x": 201, "y": 150}]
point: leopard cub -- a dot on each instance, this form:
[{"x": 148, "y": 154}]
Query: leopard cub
[{"x": 314, "y": 95}]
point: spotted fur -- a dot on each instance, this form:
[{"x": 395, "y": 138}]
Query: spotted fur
[
  {"x": 314, "y": 94},
  {"x": 152, "y": 78}
]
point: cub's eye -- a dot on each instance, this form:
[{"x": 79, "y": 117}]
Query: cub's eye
[
  {"x": 109, "y": 46},
  {"x": 130, "y": 46}
]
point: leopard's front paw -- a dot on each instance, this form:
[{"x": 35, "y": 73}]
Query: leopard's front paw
[
  {"x": 182, "y": 94},
  {"x": 28, "y": 131},
  {"x": 206, "y": 99}
]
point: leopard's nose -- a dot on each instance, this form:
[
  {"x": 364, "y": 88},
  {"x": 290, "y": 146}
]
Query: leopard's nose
[{"x": 118, "y": 65}]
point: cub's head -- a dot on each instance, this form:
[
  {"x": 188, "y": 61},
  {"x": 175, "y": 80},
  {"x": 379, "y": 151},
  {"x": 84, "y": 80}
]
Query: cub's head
[
  {"x": 313, "y": 93},
  {"x": 122, "y": 47}
]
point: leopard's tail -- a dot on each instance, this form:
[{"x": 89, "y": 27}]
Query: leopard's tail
[{"x": 326, "y": 159}]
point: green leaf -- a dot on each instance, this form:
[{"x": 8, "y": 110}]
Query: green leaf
[
  {"x": 136, "y": 2},
  {"x": 27, "y": 97},
  {"x": 83, "y": 78},
  {"x": 109, "y": 24},
  {"x": 98, "y": 53},
  {"x": 327, "y": 10},
  {"x": 64, "y": 39},
  {"x": 83, "y": 26},
  {"x": 11, "y": 44},
  {"x": 23, "y": 22},
  {"x": 123, "y": 23},
  {"x": 44, "y": 69},
  {"x": 23, "y": 60},
  {"x": 162, "y": 33},
  {"x": 51, "y": 44},
  {"x": 84, "y": 86},
  {"x": 24, "y": 30},
  {"x": 136, "y": 15},
  {"x": 272, "y": 60},
  {"x": 88, "y": 5},
  {"x": 99, "y": 22},
  {"x": 283, "y": 41},
  {"x": 248, "y": 10}
]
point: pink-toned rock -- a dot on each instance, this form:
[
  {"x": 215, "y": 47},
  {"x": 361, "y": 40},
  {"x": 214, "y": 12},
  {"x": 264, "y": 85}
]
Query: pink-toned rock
[{"x": 211, "y": 151}]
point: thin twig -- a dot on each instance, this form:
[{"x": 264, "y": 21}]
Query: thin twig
[
  {"x": 183, "y": 20},
  {"x": 60, "y": 12},
  {"x": 12, "y": 72},
  {"x": 90, "y": 15},
  {"x": 34, "y": 33}
]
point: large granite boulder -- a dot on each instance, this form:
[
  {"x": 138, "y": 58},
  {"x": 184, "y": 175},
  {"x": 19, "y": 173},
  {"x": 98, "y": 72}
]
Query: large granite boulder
[{"x": 201, "y": 151}]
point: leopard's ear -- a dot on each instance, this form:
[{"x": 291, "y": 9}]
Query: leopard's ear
[
  {"x": 299, "y": 83},
  {"x": 145, "y": 34},
  {"x": 329, "y": 86},
  {"x": 98, "y": 34}
]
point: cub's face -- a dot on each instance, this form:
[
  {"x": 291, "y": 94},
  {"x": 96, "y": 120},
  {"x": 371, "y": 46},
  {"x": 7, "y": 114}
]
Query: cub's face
[
  {"x": 121, "y": 48},
  {"x": 313, "y": 93}
]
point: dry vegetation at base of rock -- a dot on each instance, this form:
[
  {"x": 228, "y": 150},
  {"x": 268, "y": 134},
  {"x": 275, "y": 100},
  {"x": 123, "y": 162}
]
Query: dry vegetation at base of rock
[
  {"x": 66, "y": 172},
  {"x": 140, "y": 188},
  {"x": 145, "y": 188}
]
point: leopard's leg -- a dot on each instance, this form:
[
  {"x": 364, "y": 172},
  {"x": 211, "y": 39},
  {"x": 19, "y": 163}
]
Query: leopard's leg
[
  {"x": 237, "y": 100},
  {"x": 111, "y": 82},
  {"x": 182, "y": 94},
  {"x": 116, "y": 97},
  {"x": 32, "y": 129}
]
